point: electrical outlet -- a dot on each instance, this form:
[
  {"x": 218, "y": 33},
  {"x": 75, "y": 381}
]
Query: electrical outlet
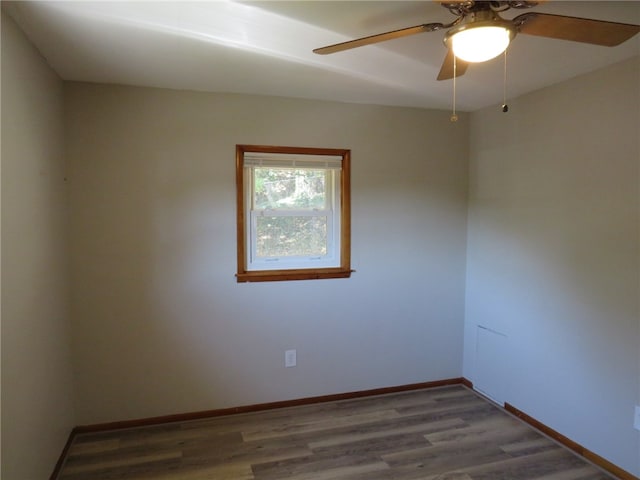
[
  {"x": 636, "y": 418},
  {"x": 290, "y": 358}
]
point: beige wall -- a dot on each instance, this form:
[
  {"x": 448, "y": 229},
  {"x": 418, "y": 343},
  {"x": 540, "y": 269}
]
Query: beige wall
[
  {"x": 160, "y": 325},
  {"x": 37, "y": 390},
  {"x": 553, "y": 255}
]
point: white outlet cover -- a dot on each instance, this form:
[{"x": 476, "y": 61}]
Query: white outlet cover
[
  {"x": 636, "y": 418},
  {"x": 290, "y": 358}
]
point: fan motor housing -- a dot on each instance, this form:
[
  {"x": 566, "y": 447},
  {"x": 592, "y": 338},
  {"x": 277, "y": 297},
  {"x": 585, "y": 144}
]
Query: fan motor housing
[{"x": 480, "y": 18}]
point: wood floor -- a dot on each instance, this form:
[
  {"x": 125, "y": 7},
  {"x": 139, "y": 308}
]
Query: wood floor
[{"x": 446, "y": 433}]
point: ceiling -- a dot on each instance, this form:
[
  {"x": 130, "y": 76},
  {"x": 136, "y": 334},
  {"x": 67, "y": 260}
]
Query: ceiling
[{"x": 264, "y": 47}]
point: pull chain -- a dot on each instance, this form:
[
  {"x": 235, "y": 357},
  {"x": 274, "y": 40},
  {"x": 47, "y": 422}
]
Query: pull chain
[
  {"x": 454, "y": 117},
  {"x": 505, "y": 107}
]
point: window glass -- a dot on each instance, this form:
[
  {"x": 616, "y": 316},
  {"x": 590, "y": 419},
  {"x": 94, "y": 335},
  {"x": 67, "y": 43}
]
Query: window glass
[
  {"x": 280, "y": 188},
  {"x": 291, "y": 236}
]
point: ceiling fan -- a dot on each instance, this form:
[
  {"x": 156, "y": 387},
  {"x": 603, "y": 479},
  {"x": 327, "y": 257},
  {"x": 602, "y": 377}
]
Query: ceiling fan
[{"x": 479, "y": 33}]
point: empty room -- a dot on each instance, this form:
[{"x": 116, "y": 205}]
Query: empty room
[{"x": 315, "y": 240}]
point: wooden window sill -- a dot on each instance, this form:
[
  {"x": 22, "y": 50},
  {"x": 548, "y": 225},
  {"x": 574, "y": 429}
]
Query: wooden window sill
[{"x": 281, "y": 275}]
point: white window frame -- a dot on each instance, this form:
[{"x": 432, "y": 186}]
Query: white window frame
[
  {"x": 331, "y": 212},
  {"x": 335, "y": 263}
]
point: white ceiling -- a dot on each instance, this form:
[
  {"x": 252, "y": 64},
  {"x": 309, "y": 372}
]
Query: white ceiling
[{"x": 264, "y": 47}]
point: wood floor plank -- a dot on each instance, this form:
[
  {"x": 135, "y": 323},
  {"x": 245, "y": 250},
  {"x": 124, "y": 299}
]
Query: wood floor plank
[
  {"x": 95, "y": 447},
  {"x": 335, "y": 473},
  {"x": 105, "y": 468},
  {"x": 432, "y": 460},
  {"x": 248, "y": 454},
  {"x": 528, "y": 446},
  {"x": 581, "y": 472},
  {"x": 383, "y": 431},
  {"x": 380, "y": 445},
  {"x": 479, "y": 429},
  {"x": 318, "y": 467},
  {"x": 537, "y": 465},
  {"x": 226, "y": 471},
  {"x": 293, "y": 426}
]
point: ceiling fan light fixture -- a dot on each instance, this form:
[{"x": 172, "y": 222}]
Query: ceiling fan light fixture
[{"x": 480, "y": 43}]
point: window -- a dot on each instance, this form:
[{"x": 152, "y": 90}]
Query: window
[{"x": 293, "y": 213}]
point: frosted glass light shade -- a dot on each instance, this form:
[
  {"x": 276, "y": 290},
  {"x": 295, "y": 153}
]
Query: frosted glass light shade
[{"x": 481, "y": 43}]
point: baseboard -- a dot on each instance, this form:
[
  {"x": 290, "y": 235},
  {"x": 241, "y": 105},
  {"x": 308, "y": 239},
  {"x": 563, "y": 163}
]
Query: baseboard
[
  {"x": 184, "y": 417},
  {"x": 63, "y": 455},
  {"x": 570, "y": 444}
]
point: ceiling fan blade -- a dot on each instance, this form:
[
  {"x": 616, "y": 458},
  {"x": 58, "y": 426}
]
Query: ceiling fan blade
[
  {"x": 381, "y": 37},
  {"x": 585, "y": 30},
  {"x": 446, "y": 71}
]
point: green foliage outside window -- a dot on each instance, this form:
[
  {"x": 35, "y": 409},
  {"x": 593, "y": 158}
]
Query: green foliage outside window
[
  {"x": 291, "y": 236},
  {"x": 287, "y": 189}
]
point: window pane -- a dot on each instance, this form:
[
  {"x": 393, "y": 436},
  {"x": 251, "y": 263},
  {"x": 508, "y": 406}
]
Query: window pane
[
  {"x": 291, "y": 236},
  {"x": 288, "y": 188}
]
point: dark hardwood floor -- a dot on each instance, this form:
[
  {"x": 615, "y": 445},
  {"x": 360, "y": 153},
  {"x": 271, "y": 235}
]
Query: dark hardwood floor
[{"x": 447, "y": 433}]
